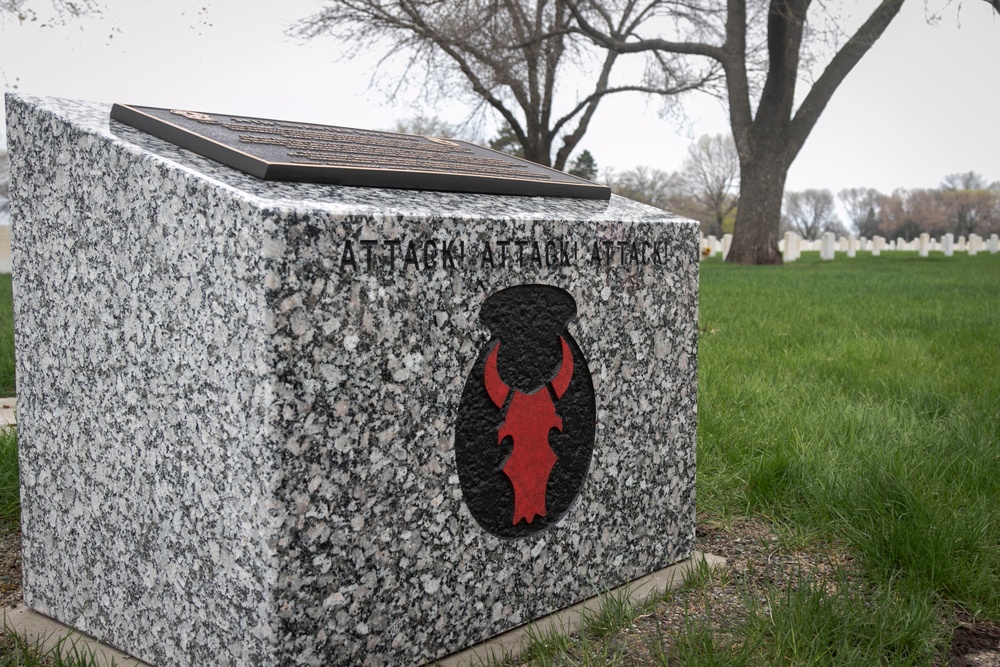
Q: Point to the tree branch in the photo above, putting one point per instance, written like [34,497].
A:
[840,66]
[588,107]
[511,53]
[615,42]
[737,83]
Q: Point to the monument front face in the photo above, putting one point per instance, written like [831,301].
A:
[271,423]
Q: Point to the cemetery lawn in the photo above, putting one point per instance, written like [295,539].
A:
[856,403]
[861,400]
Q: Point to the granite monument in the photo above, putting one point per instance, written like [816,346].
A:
[289,423]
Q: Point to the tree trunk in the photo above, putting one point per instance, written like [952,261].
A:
[539,152]
[758,218]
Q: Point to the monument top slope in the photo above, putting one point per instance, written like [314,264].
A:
[94,117]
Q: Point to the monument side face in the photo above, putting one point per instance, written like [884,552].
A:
[275,401]
[142,389]
[374,363]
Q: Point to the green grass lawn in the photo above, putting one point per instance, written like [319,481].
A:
[859,400]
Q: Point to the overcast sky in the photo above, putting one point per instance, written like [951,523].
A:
[925,102]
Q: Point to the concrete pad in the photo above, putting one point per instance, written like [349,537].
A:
[8,406]
[35,627]
[570,619]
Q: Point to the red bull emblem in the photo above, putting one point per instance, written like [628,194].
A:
[529,418]
[525,430]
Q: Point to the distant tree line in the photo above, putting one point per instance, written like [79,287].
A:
[963,204]
[706,189]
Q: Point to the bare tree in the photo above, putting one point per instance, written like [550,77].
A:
[432,126]
[969,211]
[22,10]
[511,55]
[711,176]
[810,212]
[928,212]
[862,209]
[908,213]
[896,220]
[650,186]
[993,226]
[968,180]
[969,204]
[768,128]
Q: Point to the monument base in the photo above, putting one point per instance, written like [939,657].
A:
[571,619]
[46,632]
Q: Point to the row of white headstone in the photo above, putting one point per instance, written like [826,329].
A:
[829,245]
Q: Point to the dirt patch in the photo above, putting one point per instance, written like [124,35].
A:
[757,558]
[974,646]
[10,564]
[760,560]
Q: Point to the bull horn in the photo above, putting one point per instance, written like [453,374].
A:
[561,381]
[495,387]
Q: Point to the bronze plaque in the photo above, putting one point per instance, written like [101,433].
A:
[277,150]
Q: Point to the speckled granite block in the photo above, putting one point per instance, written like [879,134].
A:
[238,401]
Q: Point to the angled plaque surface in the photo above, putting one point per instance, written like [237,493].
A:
[291,151]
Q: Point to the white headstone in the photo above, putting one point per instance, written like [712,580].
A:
[877,244]
[949,245]
[975,244]
[994,243]
[827,251]
[787,249]
[727,240]
[852,247]
[924,244]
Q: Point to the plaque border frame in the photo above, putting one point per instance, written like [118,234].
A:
[568,186]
